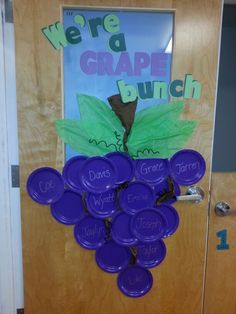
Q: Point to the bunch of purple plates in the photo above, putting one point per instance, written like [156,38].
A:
[112,201]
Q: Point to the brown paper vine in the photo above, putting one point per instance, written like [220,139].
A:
[126,114]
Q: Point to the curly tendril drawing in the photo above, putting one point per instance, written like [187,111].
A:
[156,131]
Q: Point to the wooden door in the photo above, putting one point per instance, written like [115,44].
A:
[60,277]
[221,258]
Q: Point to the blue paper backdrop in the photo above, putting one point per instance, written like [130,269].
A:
[145,31]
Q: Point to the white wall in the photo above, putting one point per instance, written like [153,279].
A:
[11,275]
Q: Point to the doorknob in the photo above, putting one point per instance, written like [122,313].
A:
[193,194]
[222,208]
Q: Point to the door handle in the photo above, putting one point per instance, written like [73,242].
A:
[194,194]
[222,208]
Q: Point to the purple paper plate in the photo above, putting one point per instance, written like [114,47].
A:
[153,170]
[163,188]
[112,258]
[148,225]
[150,255]
[45,185]
[120,230]
[124,165]
[102,205]
[71,172]
[172,218]
[68,209]
[90,233]
[136,196]
[98,174]
[187,167]
[135,281]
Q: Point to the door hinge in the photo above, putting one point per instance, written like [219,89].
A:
[20,311]
[8,11]
[15,176]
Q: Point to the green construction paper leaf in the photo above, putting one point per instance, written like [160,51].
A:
[89,138]
[93,109]
[160,141]
[157,132]
[159,113]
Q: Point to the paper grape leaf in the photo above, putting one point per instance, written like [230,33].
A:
[156,131]
[92,108]
[159,113]
[89,138]
[159,140]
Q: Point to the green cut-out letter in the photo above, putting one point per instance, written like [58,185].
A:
[127,92]
[56,35]
[73,35]
[111,23]
[192,88]
[173,88]
[93,26]
[159,90]
[145,90]
[79,19]
[117,42]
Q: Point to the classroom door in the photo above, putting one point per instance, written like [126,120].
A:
[221,258]
[59,276]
